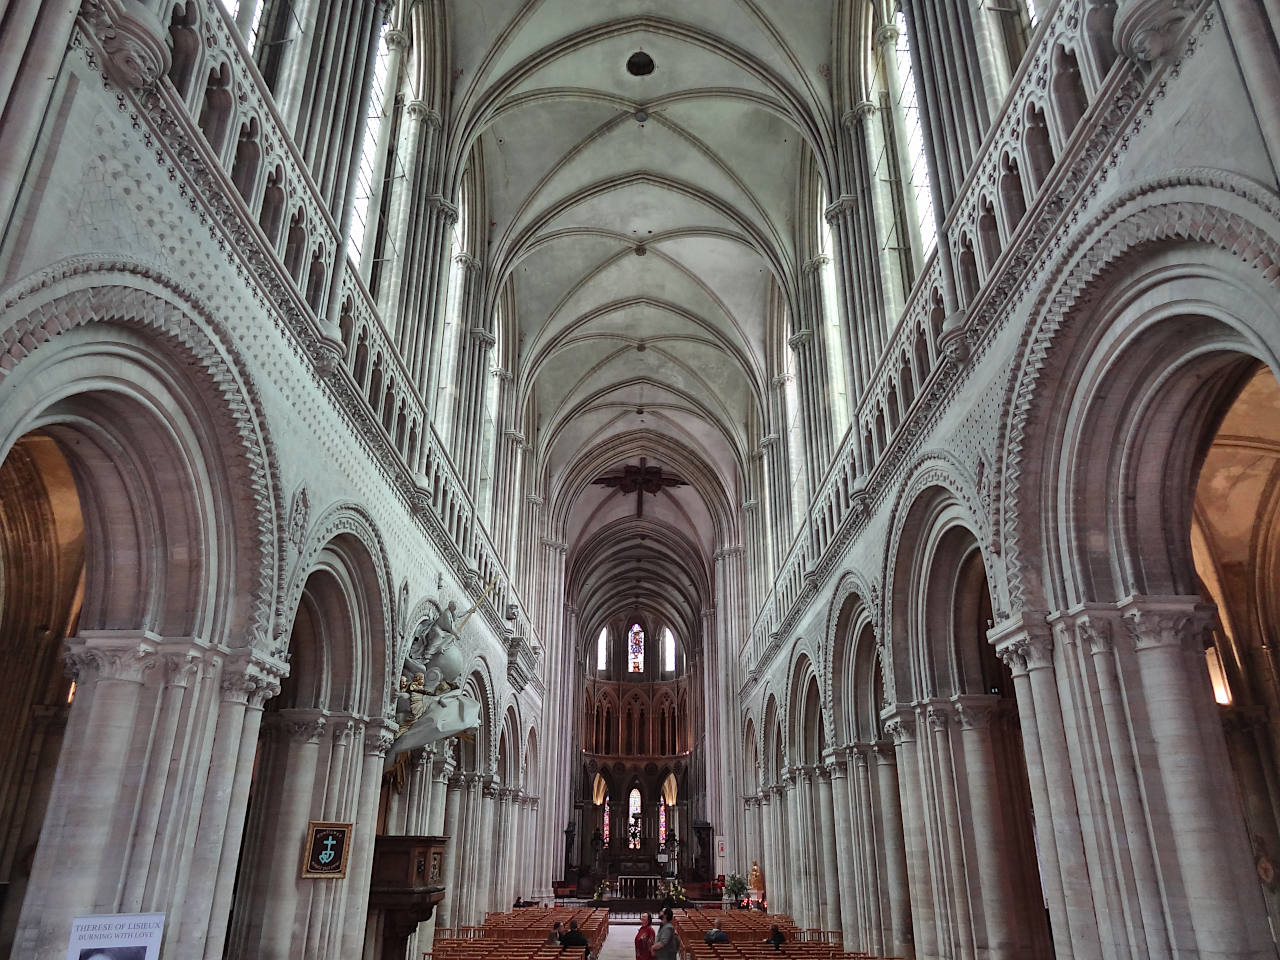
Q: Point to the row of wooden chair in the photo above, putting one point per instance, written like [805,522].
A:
[747,933]
[520,935]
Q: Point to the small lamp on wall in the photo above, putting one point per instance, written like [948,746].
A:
[1217,676]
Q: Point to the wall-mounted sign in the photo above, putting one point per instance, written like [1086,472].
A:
[116,936]
[720,848]
[326,849]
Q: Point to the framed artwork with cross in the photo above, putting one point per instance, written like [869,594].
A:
[326,849]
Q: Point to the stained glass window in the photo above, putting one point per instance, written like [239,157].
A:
[633,813]
[635,649]
[662,823]
[605,829]
[602,649]
[668,650]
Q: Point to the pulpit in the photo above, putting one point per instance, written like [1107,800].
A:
[406,884]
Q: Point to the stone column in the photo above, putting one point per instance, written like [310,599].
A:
[446,912]
[798,905]
[278,890]
[246,685]
[1134,884]
[873,936]
[378,736]
[1026,646]
[959,928]
[833,877]
[482,901]
[995,884]
[109,669]
[1206,831]
[902,728]
[900,940]
[842,827]
[776,841]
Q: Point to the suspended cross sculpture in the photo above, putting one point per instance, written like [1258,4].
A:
[640,480]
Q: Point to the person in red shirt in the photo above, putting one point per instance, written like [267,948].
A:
[644,938]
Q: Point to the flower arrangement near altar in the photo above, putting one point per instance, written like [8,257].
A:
[602,891]
[674,889]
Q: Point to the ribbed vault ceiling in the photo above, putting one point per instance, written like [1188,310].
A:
[641,225]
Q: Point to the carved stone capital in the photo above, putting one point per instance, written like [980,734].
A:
[183,662]
[975,712]
[417,110]
[303,726]
[483,337]
[379,735]
[252,681]
[1093,626]
[396,39]
[800,339]
[901,727]
[861,111]
[1145,30]
[939,717]
[443,209]
[1153,622]
[885,34]
[342,730]
[1023,641]
[842,207]
[108,656]
[814,264]
[133,38]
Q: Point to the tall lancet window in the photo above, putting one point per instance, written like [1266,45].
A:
[375,116]
[662,824]
[668,650]
[910,111]
[635,649]
[633,816]
[604,830]
[602,649]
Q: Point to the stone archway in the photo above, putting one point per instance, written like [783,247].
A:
[1235,545]
[967,812]
[121,392]
[41,591]
[319,758]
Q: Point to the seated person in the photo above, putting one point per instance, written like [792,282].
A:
[573,937]
[715,934]
[776,937]
[554,935]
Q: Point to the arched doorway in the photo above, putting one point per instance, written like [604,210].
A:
[41,589]
[319,758]
[875,902]
[121,523]
[974,876]
[1235,545]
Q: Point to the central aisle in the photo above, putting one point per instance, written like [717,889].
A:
[620,944]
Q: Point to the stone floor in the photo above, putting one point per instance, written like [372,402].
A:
[620,944]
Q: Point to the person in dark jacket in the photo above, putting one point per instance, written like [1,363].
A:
[776,937]
[573,937]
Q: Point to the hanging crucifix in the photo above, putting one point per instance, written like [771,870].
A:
[639,480]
